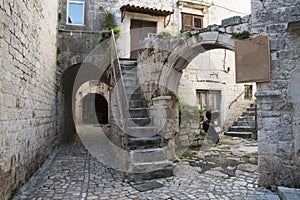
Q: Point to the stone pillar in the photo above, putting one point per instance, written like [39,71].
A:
[165,115]
[278,110]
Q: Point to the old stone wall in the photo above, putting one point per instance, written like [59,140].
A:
[27,89]
[278,100]
[178,65]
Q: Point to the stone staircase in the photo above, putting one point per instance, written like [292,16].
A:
[244,127]
[148,158]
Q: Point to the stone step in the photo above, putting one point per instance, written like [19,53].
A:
[129,74]
[142,121]
[246,118]
[141,131]
[245,135]
[161,173]
[244,123]
[130,82]
[137,103]
[132,89]
[143,142]
[251,109]
[241,129]
[145,167]
[248,113]
[135,96]
[139,112]
[286,193]
[147,155]
[129,62]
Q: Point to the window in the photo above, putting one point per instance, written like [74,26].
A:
[209,99]
[248,92]
[190,21]
[75,13]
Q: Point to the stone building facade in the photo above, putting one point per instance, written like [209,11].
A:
[42,51]
[278,100]
[28,89]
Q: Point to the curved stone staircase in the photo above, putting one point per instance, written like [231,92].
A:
[148,158]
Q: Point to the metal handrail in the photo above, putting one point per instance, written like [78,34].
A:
[121,91]
[235,100]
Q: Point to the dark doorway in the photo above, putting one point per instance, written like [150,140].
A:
[138,31]
[68,91]
[95,109]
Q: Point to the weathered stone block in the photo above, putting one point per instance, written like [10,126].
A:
[229,29]
[276,44]
[246,19]
[231,21]
[241,28]
[276,28]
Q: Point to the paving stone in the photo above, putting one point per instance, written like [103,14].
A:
[247,167]
[68,174]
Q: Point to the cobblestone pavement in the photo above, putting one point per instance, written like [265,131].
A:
[72,173]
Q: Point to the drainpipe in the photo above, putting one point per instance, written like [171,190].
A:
[174,8]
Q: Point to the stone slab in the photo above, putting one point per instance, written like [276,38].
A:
[151,185]
[286,193]
[247,167]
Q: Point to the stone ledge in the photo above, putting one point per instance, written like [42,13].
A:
[268,93]
[162,98]
[288,193]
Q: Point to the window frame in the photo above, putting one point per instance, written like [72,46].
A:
[193,20]
[78,2]
[248,92]
[208,94]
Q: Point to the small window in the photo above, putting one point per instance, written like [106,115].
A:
[191,21]
[75,13]
[248,92]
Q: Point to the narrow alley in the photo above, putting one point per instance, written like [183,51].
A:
[226,171]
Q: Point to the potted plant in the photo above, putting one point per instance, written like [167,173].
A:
[109,24]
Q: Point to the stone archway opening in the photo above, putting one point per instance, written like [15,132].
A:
[171,59]
[71,81]
[94,109]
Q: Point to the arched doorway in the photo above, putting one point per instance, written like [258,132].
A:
[95,109]
[72,79]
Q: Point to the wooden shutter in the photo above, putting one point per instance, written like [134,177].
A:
[187,22]
[197,22]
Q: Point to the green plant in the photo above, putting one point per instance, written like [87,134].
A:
[166,60]
[106,33]
[189,154]
[173,95]
[188,35]
[165,35]
[109,21]
[150,50]
[241,35]
[109,24]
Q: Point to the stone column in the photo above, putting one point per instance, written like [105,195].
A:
[165,115]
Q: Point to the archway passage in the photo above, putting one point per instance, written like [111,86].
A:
[72,78]
[95,109]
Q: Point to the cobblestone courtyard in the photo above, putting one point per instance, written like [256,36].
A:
[227,171]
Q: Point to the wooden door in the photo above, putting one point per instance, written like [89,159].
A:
[138,31]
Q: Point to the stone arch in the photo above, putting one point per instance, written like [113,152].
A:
[70,83]
[180,57]
[95,88]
